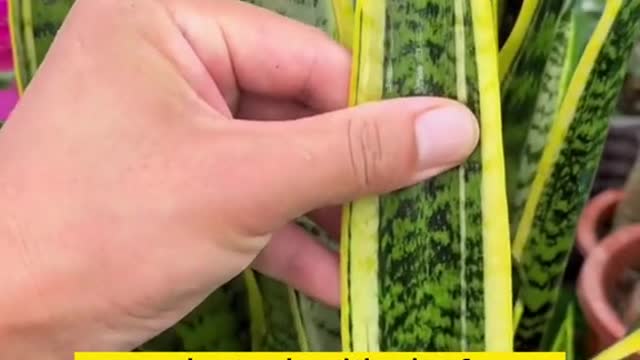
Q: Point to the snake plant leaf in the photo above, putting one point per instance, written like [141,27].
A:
[343,10]
[496,15]
[564,341]
[168,340]
[560,341]
[318,14]
[33,24]
[567,303]
[531,113]
[509,13]
[416,275]
[500,11]
[504,22]
[275,321]
[283,319]
[569,348]
[516,36]
[624,348]
[320,323]
[531,124]
[522,67]
[564,172]
[332,16]
[219,323]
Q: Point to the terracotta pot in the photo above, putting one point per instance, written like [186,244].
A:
[602,270]
[595,219]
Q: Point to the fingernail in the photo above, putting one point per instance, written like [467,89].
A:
[445,136]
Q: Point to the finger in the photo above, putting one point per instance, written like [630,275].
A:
[247,48]
[295,258]
[259,107]
[329,219]
[336,157]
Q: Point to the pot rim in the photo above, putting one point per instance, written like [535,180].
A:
[600,208]
[608,259]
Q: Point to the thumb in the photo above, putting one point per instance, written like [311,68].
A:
[375,148]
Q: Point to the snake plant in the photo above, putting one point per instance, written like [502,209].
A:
[473,259]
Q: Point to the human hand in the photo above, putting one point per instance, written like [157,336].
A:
[130,189]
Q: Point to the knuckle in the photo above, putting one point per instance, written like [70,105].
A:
[367,153]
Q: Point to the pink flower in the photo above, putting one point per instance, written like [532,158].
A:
[6,57]
[8,89]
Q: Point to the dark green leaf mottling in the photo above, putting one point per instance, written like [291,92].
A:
[317,13]
[567,188]
[281,333]
[522,82]
[219,323]
[539,117]
[423,306]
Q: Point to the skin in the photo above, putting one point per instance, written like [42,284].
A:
[166,145]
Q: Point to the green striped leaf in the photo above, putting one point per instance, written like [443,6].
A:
[219,323]
[283,319]
[320,323]
[530,115]
[564,172]
[414,271]
[34,24]
[560,342]
[343,12]
[564,334]
[564,341]
[274,316]
[516,36]
[523,77]
[567,303]
[509,12]
[332,16]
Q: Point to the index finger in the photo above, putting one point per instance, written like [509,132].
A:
[265,53]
